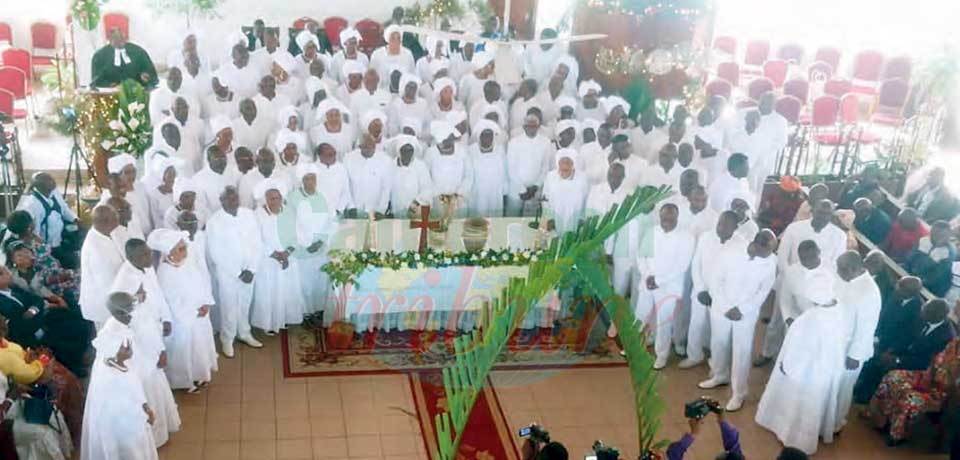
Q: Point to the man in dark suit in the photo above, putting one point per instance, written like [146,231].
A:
[24,312]
[899,315]
[933,201]
[931,338]
[876,264]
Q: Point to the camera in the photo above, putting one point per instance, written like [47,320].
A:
[602,452]
[700,408]
[536,433]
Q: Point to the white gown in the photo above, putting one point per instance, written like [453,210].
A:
[191,351]
[489,181]
[566,199]
[277,295]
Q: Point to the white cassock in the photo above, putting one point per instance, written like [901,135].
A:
[762,159]
[333,182]
[656,176]
[384,62]
[621,246]
[191,140]
[233,245]
[363,100]
[197,254]
[315,221]
[268,111]
[100,260]
[776,130]
[278,296]
[860,298]
[647,145]
[114,423]
[566,199]
[528,160]
[342,141]
[369,180]
[830,239]
[253,136]
[668,264]
[744,283]
[191,351]
[336,63]
[452,175]
[410,183]
[400,110]
[712,135]
[147,324]
[471,89]
[518,111]
[489,181]
[697,224]
[162,98]
[795,282]
[710,259]
[158,203]
[211,184]
[595,160]
[801,394]
[243,82]
[724,186]
[214,105]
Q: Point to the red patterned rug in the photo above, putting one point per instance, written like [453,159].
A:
[487,435]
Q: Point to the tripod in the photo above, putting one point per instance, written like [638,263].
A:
[5,177]
[73,169]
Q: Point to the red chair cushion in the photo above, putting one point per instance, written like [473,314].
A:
[42,60]
[833,138]
[862,89]
[866,137]
[886,119]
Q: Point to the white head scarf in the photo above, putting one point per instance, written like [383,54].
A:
[432,45]
[413,123]
[564,125]
[588,85]
[116,163]
[611,102]
[304,37]
[441,130]
[163,240]
[284,115]
[405,139]
[390,30]
[260,191]
[373,114]
[314,84]
[482,58]
[159,167]
[483,125]
[351,67]
[566,101]
[285,61]
[408,78]
[568,153]
[437,65]
[441,83]
[304,169]
[346,34]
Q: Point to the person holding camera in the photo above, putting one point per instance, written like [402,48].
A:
[538,446]
[695,412]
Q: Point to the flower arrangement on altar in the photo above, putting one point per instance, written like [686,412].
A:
[345,266]
[120,125]
[87,13]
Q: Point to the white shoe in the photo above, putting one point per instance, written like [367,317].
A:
[689,363]
[735,404]
[250,341]
[227,349]
[623,353]
[710,383]
[660,363]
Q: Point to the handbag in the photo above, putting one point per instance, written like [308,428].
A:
[39,407]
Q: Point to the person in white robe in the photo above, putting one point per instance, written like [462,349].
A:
[832,242]
[100,260]
[315,224]
[529,157]
[190,122]
[251,129]
[269,103]
[290,133]
[686,160]
[750,141]
[115,194]
[471,84]
[186,195]
[566,134]
[370,172]
[373,96]
[492,96]
[595,150]
[621,151]
[411,186]
[158,185]
[197,254]
[540,61]
[333,180]
[151,322]
[444,98]
[238,74]
[590,108]
[353,72]
[735,296]
[126,165]
[117,417]
[262,58]
[374,122]
[490,181]
[450,169]
[565,192]
[747,227]
[730,182]
[278,297]
[317,92]
[523,100]
[233,252]
[408,105]
[289,77]
[698,219]
[220,101]
[801,395]
[191,351]
[618,247]
[665,172]
[266,166]
[167,142]
[774,128]
[437,51]
[461,63]
[661,275]
[350,42]
[860,299]
[212,180]
[393,55]
[335,130]
[161,98]
[715,249]
[616,109]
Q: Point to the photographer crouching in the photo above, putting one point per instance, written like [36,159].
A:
[698,410]
[537,445]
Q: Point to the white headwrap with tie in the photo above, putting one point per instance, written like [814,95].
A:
[164,240]
[284,115]
[116,163]
[408,78]
[352,67]
[260,191]
[568,153]
[405,139]
[304,169]
[588,85]
[347,33]
[441,83]
[441,130]
[611,102]
[286,137]
[390,30]
[566,101]
[483,125]
[373,114]
[304,37]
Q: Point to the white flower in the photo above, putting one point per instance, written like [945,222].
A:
[447,261]
[121,140]
[134,107]
[107,144]
[416,256]
[420,266]
[116,125]
[534,258]
[133,123]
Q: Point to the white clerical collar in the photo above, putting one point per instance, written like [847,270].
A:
[931,327]
[120,57]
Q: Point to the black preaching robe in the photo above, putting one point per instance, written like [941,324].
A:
[106,74]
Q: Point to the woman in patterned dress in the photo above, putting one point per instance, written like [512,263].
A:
[903,396]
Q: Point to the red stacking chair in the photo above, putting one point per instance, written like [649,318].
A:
[21,59]
[720,87]
[43,36]
[116,21]
[776,71]
[729,71]
[824,120]
[758,87]
[819,71]
[371,34]
[756,53]
[332,27]
[7,100]
[6,33]
[898,67]
[301,23]
[837,87]
[791,52]
[798,88]
[789,107]
[13,82]
[891,98]
[867,66]
[726,43]
[850,116]
[828,54]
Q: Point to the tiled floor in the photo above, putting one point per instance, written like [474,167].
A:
[251,412]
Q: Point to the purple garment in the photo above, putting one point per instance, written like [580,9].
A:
[731,442]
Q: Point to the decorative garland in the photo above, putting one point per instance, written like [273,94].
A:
[643,8]
[87,13]
[121,125]
[345,266]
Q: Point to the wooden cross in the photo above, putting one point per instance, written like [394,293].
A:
[424,224]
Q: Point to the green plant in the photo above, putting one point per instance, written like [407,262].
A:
[190,9]
[53,78]
[121,125]
[573,252]
[87,13]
